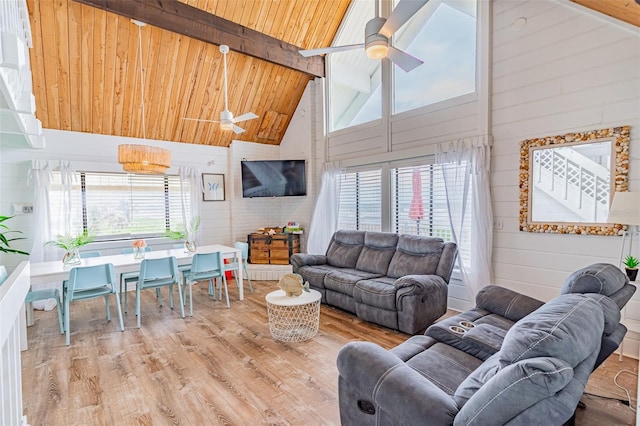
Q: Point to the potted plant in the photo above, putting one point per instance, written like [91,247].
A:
[631,267]
[70,245]
[5,239]
[186,233]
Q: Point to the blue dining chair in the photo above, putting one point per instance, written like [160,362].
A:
[157,273]
[88,282]
[128,277]
[233,264]
[205,267]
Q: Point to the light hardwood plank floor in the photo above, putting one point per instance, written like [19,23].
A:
[219,367]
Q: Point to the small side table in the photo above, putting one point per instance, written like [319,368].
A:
[293,319]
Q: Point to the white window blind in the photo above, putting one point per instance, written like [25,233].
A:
[360,201]
[419,205]
[118,205]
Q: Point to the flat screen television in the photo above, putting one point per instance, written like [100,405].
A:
[273,178]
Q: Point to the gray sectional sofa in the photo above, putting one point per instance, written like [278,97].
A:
[398,281]
[512,360]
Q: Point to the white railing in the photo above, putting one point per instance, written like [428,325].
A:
[577,182]
[13,338]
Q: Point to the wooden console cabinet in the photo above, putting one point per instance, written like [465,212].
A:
[274,249]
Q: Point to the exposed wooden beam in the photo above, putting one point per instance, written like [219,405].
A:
[184,19]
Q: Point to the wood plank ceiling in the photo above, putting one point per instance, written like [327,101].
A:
[86,74]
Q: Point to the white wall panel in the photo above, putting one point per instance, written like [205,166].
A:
[565,71]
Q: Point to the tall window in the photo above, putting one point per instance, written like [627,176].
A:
[443,35]
[417,203]
[355,93]
[360,201]
[117,205]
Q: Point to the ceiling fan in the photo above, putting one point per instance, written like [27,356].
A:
[227,121]
[376,36]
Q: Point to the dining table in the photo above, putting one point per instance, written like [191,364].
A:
[56,271]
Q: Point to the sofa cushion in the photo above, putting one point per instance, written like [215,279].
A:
[415,255]
[444,366]
[601,278]
[379,248]
[379,292]
[344,248]
[568,327]
[344,280]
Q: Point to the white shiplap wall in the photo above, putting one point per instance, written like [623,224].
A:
[567,70]
[299,143]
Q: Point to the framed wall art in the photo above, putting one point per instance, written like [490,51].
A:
[213,187]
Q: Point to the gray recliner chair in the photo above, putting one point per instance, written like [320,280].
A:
[510,360]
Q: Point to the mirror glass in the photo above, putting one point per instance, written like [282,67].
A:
[571,183]
[567,181]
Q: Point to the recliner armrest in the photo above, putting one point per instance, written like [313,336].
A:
[393,386]
[506,303]
[304,259]
[486,337]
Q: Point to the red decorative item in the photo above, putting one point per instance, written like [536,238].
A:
[416,209]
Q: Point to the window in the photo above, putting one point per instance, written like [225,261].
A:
[443,35]
[117,205]
[417,202]
[419,205]
[360,201]
[355,92]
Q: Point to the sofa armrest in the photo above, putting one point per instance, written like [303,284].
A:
[393,386]
[417,285]
[303,259]
[506,303]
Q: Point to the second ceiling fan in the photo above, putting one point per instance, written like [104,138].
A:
[377,33]
[227,121]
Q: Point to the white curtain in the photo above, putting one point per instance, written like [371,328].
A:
[194,177]
[40,176]
[325,216]
[465,166]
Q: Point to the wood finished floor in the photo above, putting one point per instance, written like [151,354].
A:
[220,367]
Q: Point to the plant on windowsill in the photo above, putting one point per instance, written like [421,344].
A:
[631,267]
[70,245]
[186,233]
[5,239]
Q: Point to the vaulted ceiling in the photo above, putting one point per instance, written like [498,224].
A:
[86,72]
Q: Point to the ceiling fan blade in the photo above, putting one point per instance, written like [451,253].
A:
[244,117]
[200,119]
[324,50]
[403,59]
[237,130]
[400,15]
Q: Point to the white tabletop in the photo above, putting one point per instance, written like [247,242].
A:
[280,298]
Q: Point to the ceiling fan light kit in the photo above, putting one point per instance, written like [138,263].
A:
[376,44]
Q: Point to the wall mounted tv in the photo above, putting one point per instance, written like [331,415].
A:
[273,178]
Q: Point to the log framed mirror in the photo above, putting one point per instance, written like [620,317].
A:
[567,181]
